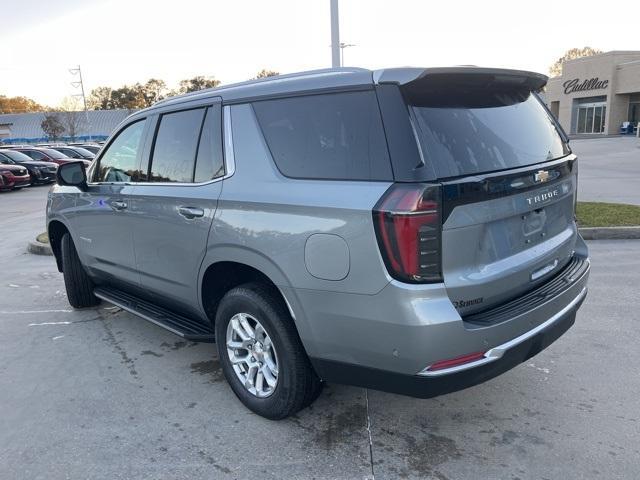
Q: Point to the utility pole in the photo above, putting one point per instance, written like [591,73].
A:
[335,35]
[79,83]
[78,71]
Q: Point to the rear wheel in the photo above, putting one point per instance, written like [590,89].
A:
[261,353]
[78,284]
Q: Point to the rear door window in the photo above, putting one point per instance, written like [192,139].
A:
[330,136]
[174,151]
[465,133]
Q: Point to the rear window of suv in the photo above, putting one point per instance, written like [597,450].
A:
[465,133]
[330,136]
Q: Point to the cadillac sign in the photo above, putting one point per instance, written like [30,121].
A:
[575,85]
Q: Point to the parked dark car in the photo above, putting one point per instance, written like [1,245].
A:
[13,176]
[79,153]
[40,172]
[48,155]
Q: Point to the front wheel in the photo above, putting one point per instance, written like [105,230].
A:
[78,284]
[261,353]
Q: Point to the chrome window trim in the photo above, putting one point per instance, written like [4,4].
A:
[228,159]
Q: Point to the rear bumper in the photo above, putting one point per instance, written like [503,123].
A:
[511,354]
[387,341]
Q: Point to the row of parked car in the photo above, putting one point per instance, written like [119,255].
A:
[25,165]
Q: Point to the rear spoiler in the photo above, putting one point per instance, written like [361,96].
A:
[433,78]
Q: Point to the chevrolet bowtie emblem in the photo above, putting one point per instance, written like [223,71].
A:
[541,176]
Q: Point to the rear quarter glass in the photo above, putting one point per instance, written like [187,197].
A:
[337,136]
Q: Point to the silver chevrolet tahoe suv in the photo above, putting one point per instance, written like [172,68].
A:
[407,230]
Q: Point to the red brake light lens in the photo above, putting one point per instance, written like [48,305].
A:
[407,220]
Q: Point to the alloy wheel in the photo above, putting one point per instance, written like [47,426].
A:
[252,355]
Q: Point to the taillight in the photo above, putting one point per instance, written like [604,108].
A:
[408,225]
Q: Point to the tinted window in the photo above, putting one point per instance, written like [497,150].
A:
[69,153]
[36,155]
[485,131]
[337,136]
[6,160]
[120,160]
[83,152]
[17,156]
[209,162]
[53,153]
[174,152]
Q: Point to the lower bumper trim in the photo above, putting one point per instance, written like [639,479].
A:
[497,352]
[421,386]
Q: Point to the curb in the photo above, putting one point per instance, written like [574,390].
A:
[39,248]
[610,233]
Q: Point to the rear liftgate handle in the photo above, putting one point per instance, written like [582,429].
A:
[191,212]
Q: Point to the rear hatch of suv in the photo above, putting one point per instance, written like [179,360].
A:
[504,182]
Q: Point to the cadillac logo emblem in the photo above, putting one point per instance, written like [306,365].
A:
[541,176]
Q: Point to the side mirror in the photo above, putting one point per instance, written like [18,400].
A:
[72,174]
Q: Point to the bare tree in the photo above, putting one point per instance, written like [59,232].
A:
[52,125]
[73,118]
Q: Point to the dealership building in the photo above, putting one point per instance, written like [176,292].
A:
[597,94]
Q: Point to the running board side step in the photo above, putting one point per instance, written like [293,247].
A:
[185,327]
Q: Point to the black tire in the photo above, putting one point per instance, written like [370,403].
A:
[78,284]
[298,384]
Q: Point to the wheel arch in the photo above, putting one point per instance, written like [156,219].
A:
[56,230]
[227,266]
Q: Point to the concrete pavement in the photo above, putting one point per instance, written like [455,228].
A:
[609,169]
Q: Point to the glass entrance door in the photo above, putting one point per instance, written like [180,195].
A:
[591,118]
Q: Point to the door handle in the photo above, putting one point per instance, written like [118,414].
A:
[191,212]
[118,205]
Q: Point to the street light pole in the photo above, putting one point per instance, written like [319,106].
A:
[335,35]
[342,47]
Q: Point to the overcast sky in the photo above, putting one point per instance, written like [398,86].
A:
[128,41]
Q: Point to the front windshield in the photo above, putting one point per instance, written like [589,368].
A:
[5,160]
[17,156]
[54,154]
[84,152]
